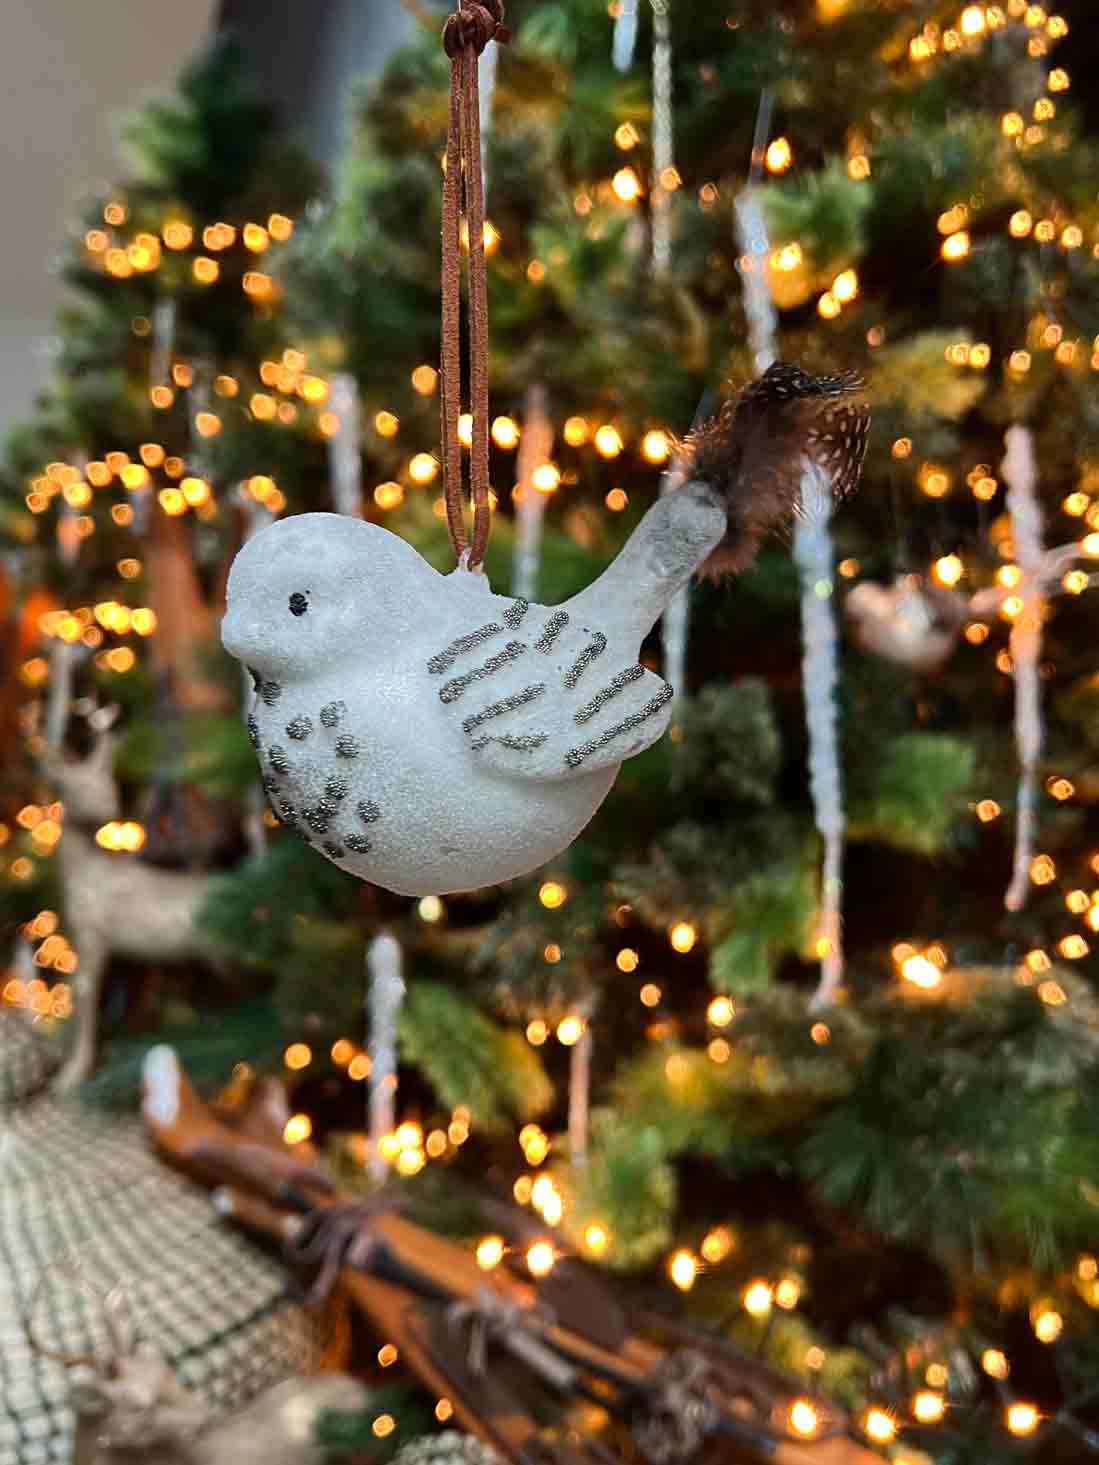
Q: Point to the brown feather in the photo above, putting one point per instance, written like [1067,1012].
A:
[754,452]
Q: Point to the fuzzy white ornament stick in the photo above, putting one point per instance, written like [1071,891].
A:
[385,994]
[535,448]
[663,137]
[1020,473]
[344,451]
[813,555]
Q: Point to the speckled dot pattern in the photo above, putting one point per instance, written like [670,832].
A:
[427,735]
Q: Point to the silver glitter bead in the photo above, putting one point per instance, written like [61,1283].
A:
[347,746]
[594,649]
[551,630]
[575,756]
[610,691]
[506,704]
[299,728]
[446,659]
[452,690]
[331,713]
[358,842]
[368,811]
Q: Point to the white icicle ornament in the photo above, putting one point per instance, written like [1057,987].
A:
[430,736]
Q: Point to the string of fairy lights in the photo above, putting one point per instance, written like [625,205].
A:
[287,393]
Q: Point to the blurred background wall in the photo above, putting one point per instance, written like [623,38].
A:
[69,68]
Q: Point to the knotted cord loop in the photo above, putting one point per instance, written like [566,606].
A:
[465,35]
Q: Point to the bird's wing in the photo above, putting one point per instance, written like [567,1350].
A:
[540,694]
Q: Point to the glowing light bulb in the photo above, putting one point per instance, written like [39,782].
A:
[720,1012]
[683,937]
[1022,1419]
[683,1269]
[596,1238]
[576,431]
[921,972]
[553,894]
[505,433]
[297,1129]
[655,446]
[422,468]
[972,22]
[804,1419]
[955,246]
[879,1426]
[928,1407]
[758,1299]
[298,1055]
[490,1252]
[537,1032]
[570,1030]
[845,286]
[717,1244]
[949,569]
[541,1259]
[788,1293]
[626,185]
[546,478]
[779,155]
[608,441]
[388,495]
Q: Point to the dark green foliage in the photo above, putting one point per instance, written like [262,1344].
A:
[342,1433]
[731,746]
[488,1068]
[909,791]
[209,1045]
[628,1178]
[212,144]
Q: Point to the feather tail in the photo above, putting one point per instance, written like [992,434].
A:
[753,453]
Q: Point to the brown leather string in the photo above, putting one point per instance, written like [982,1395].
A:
[465,35]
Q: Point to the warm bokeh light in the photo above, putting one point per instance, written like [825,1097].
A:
[1022,1419]
[683,936]
[928,1406]
[570,1030]
[422,468]
[879,1425]
[683,1269]
[779,155]
[804,1418]
[541,1258]
[626,185]
[297,1129]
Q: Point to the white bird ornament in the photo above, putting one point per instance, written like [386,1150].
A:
[430,736]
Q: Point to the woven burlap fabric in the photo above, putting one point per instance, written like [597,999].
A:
[81,1186]
[28,1058]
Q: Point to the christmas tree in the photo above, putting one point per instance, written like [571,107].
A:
[821,964]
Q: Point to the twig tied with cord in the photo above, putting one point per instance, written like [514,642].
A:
[465,35]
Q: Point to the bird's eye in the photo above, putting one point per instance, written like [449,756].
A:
[299,603]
